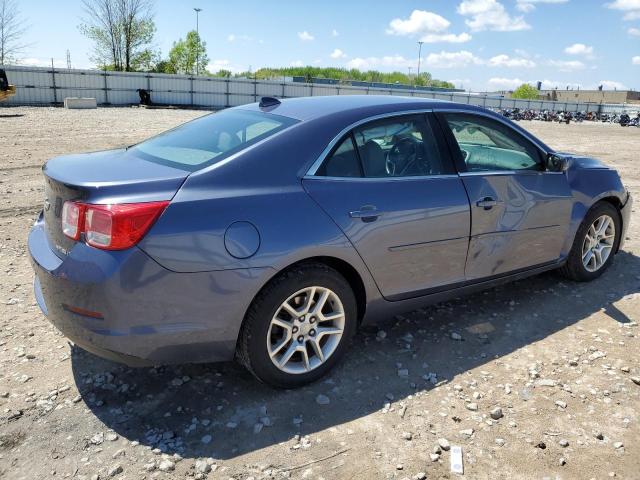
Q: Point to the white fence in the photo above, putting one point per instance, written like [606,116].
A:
[46,86]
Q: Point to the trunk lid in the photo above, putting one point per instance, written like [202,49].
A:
[113,176]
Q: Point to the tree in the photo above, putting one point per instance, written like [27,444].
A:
[122,32]
[224,73]
[12,29]
[526,92]
[345,75]
[185,54]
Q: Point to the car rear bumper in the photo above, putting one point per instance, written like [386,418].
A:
[123,306]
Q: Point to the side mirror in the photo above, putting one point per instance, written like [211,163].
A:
[556,163]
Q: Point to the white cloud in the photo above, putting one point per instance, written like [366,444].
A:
[529,5]
[635,32]
[389,61]
[419,22]
[612,85]
[297,63]
[567,65]
[630,7]
[443,59]
[501,83]
[490,15]
[305,36]
[429,26]
[334,33]
[525,7]
[446,38]
[337,53]
[625,5]
[636,60]
[579,49]
[510,62]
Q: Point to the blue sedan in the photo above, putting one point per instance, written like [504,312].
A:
[269,232]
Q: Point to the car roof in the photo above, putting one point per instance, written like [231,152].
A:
[309,108]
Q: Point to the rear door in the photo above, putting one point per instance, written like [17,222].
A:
[391,187]
[520,212]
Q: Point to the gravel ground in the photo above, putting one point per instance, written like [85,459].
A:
[537,379]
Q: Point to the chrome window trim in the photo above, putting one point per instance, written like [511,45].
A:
[325,153]
[508,172]
[383,179]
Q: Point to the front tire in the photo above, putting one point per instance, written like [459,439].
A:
[595,245]
[298,327]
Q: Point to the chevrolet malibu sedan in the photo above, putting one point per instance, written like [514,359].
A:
[269,232]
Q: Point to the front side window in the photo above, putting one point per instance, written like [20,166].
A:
[207,140]
[395,147]
[488,145]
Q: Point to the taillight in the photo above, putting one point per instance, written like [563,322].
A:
[72,218]
[115,227]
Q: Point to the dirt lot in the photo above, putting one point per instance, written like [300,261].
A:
[557,357]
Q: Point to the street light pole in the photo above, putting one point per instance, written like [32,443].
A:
[198,10]
[419,57]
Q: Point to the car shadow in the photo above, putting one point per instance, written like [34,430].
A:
[221,411]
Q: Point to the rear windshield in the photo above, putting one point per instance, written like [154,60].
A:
[207,140]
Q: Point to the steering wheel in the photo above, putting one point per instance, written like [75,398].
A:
[402,155]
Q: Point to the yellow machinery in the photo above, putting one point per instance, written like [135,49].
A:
[6,90]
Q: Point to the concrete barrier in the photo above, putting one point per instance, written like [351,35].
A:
[80,103]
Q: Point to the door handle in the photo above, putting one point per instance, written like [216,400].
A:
[488,203]
[367,213]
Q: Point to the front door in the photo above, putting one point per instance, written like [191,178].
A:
[520,212]
[390,186]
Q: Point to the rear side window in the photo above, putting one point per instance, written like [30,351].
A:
[343,162]
[210,139]
[402,146]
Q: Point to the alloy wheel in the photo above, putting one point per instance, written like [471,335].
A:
[598,243]
[305,330]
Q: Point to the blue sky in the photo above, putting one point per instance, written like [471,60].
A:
[477,44]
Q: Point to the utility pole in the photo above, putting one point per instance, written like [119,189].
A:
[419,57]
[198,10]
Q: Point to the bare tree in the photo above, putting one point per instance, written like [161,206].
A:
[121,30]
[12,29]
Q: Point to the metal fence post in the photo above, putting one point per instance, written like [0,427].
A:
[255,89]
[53,78]
[106,88]
[191,89]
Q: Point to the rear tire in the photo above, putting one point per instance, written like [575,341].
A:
[309,310]
[595,244]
